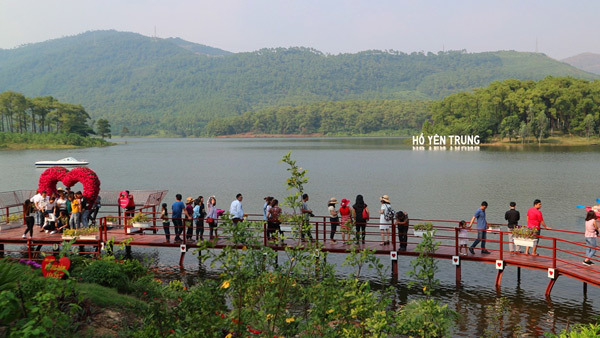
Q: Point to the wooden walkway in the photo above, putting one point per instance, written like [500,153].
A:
[557,256]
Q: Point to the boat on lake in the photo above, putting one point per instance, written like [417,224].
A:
[63,162]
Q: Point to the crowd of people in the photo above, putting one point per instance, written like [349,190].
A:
[67,209]
[58,211]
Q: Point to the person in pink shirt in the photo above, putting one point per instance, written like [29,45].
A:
[534,221]
[591,232]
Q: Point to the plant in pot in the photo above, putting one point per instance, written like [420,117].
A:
[421,228]
[140,220]
[111,220]
[69,234]
[524,236]
[90,233]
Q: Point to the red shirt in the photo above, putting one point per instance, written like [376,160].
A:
[534,218]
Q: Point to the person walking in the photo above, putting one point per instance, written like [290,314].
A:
[591,232]
[534,221]
[512,216]
[334,218]
[29,218]
[189,218]
[384,225]
[481,228]
[306,214]
[359,211]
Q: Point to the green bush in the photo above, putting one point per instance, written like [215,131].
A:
[106,273]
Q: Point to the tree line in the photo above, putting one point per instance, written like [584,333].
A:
[385,117]
[156,87]
[516,109]
[20,114]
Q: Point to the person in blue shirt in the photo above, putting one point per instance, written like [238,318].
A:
[178,208]
[481,228]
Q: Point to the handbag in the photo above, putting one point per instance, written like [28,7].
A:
[210,220]
[365,214]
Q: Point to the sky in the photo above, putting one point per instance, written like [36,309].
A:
[557,28]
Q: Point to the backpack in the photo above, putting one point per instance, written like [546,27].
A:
[365,214]
[389,213]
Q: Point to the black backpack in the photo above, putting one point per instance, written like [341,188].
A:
[389,213]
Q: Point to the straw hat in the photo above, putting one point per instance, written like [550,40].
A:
[385,198]
[189,200]
[332,200]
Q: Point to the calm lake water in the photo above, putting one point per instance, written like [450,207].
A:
[425,183]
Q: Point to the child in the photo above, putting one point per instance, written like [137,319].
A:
[462,238]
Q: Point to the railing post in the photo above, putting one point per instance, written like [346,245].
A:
[325,229]
[456,241]
[501,245]
[554,252]
[265,233]
[317,231]
[393,236]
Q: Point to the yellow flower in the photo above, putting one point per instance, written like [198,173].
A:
[289,320]
[244,247]
[329,311]
[424,288]
[225,284]
[229,336]
[269,316]
[294,283]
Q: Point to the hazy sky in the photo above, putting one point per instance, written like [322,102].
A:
[561,28]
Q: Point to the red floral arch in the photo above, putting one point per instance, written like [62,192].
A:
[88,178]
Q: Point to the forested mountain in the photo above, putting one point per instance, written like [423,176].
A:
[155,86]
[520,109]
[589,62]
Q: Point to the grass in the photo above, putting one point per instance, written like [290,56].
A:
[109,298]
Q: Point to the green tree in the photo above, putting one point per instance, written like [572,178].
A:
[103,128]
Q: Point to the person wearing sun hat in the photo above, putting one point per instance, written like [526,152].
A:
[346,219]
[384,226]
[334,220]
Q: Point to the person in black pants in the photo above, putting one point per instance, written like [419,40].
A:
[402,225]
[29,219]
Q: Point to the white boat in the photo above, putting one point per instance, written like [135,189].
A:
[64,162]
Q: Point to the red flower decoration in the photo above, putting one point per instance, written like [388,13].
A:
[86,176]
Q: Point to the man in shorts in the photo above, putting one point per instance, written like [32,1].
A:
[534,221]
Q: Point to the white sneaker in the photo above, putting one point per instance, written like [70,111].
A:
[47,231]
[24,236]
[52,232]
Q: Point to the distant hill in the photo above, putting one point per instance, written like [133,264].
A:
[171,86]
[198,48]
[589,62]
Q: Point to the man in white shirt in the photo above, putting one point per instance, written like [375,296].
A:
[236,211]
[40,201]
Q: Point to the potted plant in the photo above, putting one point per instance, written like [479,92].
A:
[111,220]
[524,236]
[421,228]
[90,233]
[140,220]
[69,234]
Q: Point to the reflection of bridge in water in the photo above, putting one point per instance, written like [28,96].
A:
[558,257]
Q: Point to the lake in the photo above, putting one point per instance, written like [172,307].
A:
[425,183]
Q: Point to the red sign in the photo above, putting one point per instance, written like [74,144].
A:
[54,269]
